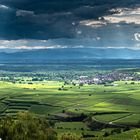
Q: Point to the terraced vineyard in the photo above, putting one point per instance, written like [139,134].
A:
[113,104]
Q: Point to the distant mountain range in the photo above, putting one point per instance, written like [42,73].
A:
[70,53]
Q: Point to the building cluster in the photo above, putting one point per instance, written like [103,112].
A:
[109,78]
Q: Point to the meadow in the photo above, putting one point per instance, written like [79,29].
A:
[116,105]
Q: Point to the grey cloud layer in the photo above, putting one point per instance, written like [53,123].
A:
[49,19]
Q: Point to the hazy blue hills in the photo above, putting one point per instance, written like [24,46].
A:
[70,53]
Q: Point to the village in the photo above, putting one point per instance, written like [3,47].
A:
[109,78]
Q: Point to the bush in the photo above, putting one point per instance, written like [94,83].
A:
[126,129]
[137,135]
[116,131]
[106,134]
[70,136]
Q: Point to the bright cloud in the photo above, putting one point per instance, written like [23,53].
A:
[4,7]
[28,44]
[93,23]
[137,36]
[119,15]
[124,15]
[23,13]
[50,44]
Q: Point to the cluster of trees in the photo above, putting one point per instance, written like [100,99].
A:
[27,126]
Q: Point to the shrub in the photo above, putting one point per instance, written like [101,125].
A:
[137,135]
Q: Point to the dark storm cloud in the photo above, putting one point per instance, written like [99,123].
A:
[45,19]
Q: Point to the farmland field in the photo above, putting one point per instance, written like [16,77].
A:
[118,105]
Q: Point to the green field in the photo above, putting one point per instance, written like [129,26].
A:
[117,105]
[47,99]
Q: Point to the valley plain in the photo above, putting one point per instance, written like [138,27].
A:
[92,103]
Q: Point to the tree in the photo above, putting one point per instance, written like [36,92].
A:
[132,83]
[81,84]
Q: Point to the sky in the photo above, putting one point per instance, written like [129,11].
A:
[39,24]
